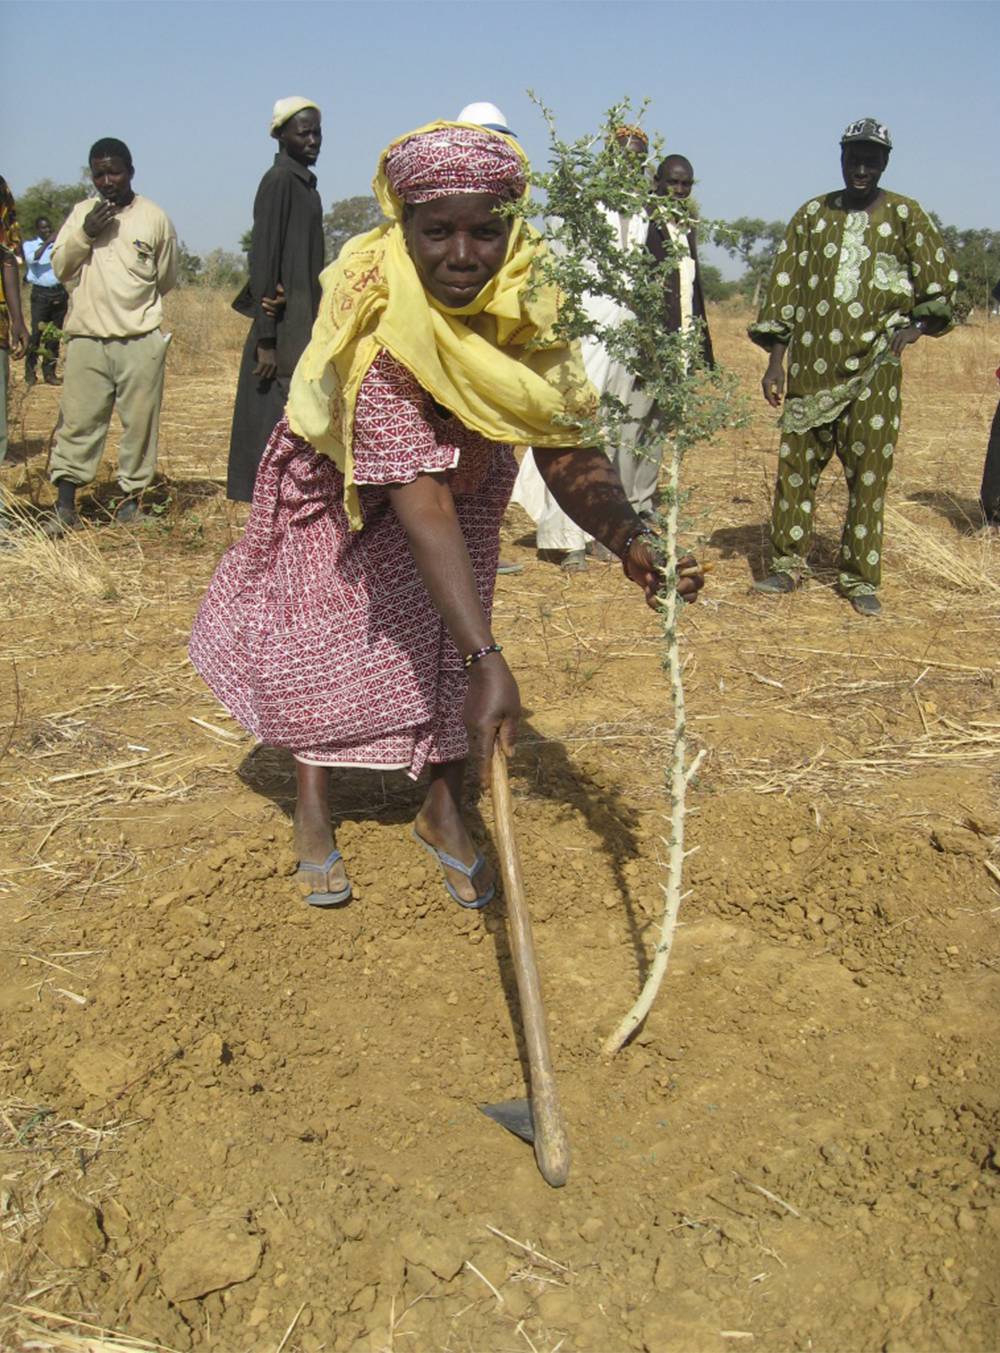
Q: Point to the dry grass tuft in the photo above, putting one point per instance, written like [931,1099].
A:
[72,567]
[208,335]
[968,563]
[834,770]
[34,1333]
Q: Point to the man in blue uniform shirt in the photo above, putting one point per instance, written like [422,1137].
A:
[48,302]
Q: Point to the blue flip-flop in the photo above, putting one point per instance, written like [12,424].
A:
[469,870]
[322,898]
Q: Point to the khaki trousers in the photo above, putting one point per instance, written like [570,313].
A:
[100,374]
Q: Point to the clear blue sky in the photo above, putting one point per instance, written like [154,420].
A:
[755,94]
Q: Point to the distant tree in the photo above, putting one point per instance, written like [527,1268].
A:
[224,269]
[188,265]
[346,218]
[51,199]
[977,258]
[245,240]
[715,286]
[755,242]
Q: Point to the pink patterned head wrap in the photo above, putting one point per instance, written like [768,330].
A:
[451,160]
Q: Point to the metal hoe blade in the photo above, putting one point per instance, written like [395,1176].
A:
[514,1115]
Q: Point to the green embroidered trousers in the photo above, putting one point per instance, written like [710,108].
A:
[863,437]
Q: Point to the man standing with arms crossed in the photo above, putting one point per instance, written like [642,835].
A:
[860,274]
[117,258]
[48,302]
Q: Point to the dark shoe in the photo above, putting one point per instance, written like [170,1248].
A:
[52,379]
[866,603]
[60,522]
[129,513]
[574,561]
[30,378]
[775,583]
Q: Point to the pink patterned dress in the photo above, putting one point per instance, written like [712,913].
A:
[323,639]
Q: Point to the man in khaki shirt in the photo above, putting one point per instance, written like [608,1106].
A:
[117,258]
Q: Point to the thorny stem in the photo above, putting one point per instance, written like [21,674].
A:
[678,773]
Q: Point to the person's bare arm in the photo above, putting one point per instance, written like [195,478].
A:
[426,510]
[19,335]
[773,384]
[273,306]
[902,338]
[74,242]
[586,486]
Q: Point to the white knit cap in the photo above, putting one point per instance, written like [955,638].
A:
[485,115]
[286,108]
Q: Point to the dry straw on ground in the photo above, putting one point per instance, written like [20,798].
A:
[70,568]
[967,562]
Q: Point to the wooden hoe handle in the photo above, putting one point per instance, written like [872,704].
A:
[551,1142]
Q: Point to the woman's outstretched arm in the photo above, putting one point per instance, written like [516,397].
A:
[426,510]
[586,486]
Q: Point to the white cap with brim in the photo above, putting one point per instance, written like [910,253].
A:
[286,108]
[486,115]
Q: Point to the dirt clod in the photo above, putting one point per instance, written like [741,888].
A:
[72,1235]
[207,1257]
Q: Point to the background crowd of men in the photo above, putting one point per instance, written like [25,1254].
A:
[861,275]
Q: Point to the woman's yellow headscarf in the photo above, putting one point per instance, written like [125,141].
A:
[494,363]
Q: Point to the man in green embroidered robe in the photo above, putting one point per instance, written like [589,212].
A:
[860,274]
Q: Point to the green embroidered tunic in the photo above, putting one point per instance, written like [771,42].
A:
[842,283]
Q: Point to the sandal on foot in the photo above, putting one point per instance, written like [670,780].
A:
[775,584]
[865,603]
[575,561]
[470,871]
[310,875]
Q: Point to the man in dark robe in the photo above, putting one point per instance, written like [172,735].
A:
[286,252]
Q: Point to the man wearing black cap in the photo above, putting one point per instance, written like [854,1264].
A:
[860,274]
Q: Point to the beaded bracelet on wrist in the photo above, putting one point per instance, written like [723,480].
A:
[630,540]
[471,658]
